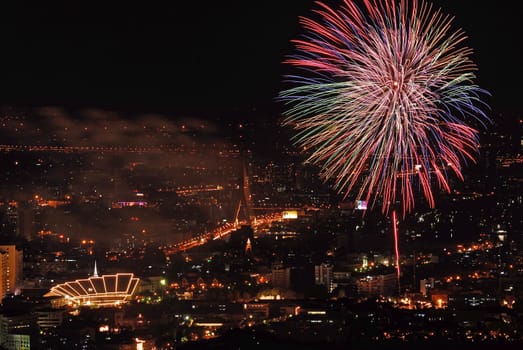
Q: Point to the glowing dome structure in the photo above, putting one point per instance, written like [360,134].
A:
[97,291]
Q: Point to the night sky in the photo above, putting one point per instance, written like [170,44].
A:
[196,57]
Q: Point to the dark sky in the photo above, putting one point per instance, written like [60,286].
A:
[201,57]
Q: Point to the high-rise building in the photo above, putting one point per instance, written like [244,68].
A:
[8,220]
[323,276]
[4,277]
[12,267]
[26,224]
[281,276]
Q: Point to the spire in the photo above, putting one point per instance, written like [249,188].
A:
[248,246]
[95,272]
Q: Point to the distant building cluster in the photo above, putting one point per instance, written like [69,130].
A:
[215,241]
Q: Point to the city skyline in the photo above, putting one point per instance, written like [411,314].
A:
[152,194]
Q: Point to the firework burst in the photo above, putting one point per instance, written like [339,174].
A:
[384,98]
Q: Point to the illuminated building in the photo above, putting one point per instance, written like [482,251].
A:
[126,204]
[18,331]
[376,284]
[323,275]
[11,261]
[95,291]
[425,285]
[4,269]
[49,318]
[256,310]
[289,215]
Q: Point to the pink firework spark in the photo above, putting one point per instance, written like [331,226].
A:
[384,99]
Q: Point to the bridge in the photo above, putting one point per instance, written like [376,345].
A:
[118,149]
[220,233]
[249,219]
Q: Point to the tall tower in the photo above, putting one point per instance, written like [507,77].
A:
[246,198]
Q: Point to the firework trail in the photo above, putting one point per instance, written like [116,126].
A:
[384,99]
